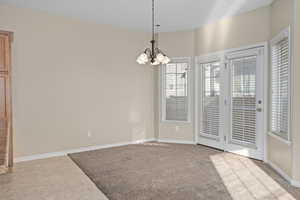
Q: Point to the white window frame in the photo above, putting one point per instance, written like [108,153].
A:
[163,94]
[286,33]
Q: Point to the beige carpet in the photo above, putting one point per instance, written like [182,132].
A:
[180,172]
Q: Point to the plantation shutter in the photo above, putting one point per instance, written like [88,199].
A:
[210,107]
[280,88]
[244,100]
[176,91]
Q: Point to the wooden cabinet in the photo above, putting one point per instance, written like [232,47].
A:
[6,154]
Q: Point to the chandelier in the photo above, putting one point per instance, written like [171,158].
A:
[153,55]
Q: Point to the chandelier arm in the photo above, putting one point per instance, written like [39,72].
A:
[157,50]
[148,50]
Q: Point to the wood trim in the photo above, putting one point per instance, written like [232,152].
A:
[9,34]
[10,128]
[9,103]
[8,98]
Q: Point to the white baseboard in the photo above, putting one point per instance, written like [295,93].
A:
[280,171]
[176,141]
[296,183]
[91,148]
[284,174]
[82,149]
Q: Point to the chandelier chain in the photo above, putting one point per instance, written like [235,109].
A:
[153,20]
[153,54]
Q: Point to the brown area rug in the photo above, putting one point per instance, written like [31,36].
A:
[180,172]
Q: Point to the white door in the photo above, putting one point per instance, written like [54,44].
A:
[245,72]
[210,102]
[230,103]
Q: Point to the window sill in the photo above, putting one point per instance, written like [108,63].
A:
[288,142]
[175,122]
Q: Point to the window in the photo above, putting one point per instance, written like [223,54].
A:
[210,104]
[175,90]
[280,84]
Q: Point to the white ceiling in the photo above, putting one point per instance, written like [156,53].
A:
[172,15]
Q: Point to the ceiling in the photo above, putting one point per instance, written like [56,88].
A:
[172,15]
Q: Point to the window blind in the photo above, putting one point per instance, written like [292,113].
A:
[244,100]
[210,118]
[176,91]
[280,88]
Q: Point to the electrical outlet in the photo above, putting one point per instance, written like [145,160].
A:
[89,134]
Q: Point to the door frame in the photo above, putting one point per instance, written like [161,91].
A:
[220,55]
[7,72]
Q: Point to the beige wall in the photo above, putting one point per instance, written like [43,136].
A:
[227,33]
[71,77]
[281,15]
[296,106]
[246,29]
[156,101]
[176,44]
[280,153]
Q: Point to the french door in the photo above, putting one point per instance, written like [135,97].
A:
[230,114]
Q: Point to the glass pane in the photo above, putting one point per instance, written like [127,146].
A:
[280,90]
[210,99]
[171,68]
[176,91]
[244,100]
